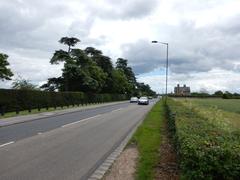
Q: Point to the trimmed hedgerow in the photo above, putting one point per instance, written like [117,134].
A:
[207,147]
[18,100]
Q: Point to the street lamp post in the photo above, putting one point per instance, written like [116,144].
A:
[166,67]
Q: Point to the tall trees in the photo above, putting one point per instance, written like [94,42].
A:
[63,56]
[122,65]
[5,72]
[144,89]
[80,71]
[89,70]
[84,74]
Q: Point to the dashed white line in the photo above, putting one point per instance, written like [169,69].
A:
[39,133]
[6,144]
[83,120]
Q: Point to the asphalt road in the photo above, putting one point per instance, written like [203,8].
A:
[68,146]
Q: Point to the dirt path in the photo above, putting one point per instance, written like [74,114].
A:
[167,168]
[125,165]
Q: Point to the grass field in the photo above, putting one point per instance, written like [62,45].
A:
[207,137]
[231,105]
[227,111]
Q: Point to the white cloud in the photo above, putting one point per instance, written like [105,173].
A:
[203,36]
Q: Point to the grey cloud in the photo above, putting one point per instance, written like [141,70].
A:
[28,24]
[191,49]
[123,9]
[142,56]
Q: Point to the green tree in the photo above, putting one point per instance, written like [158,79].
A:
[63,56]
[69,41]
[23,84]
[54,84]
[119,84]
[122,64]
[5,72]
[84,73]
[90,71]
[218,93]
[145,90]
[80,72]
[91,51]
[227,95]
[105,63]
[102,61]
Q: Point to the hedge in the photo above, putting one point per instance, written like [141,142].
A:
[18,100]
[206,150]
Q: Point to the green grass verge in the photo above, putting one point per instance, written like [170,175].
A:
[148,139]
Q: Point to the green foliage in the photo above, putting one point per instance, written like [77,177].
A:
[148,139]
[228,95]
[54,84]
[10,100]
[119,82]
[90,71]
[5,72]
[60,56]
[145,90]
[23,84]
[122,64]
[208,148]
[218,93]
[72,41]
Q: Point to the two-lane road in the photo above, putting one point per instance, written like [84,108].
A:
[69,146]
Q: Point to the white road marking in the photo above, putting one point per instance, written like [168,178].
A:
[39,133]
[6,144]
[83,120]
[116,109]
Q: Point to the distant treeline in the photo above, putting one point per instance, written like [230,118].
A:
[217,94]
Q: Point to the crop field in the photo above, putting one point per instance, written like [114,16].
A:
[207,137]
[231,105]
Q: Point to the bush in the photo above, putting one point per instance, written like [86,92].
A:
[17,100]
[206,149]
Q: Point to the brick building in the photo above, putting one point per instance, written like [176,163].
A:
[182,91]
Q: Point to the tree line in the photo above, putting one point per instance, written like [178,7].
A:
[87,70]
[219,94]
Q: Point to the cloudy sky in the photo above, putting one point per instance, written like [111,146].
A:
[203,37]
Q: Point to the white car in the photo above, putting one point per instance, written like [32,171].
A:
[133,100]
[143,100]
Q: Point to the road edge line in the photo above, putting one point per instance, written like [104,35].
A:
[5,144]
